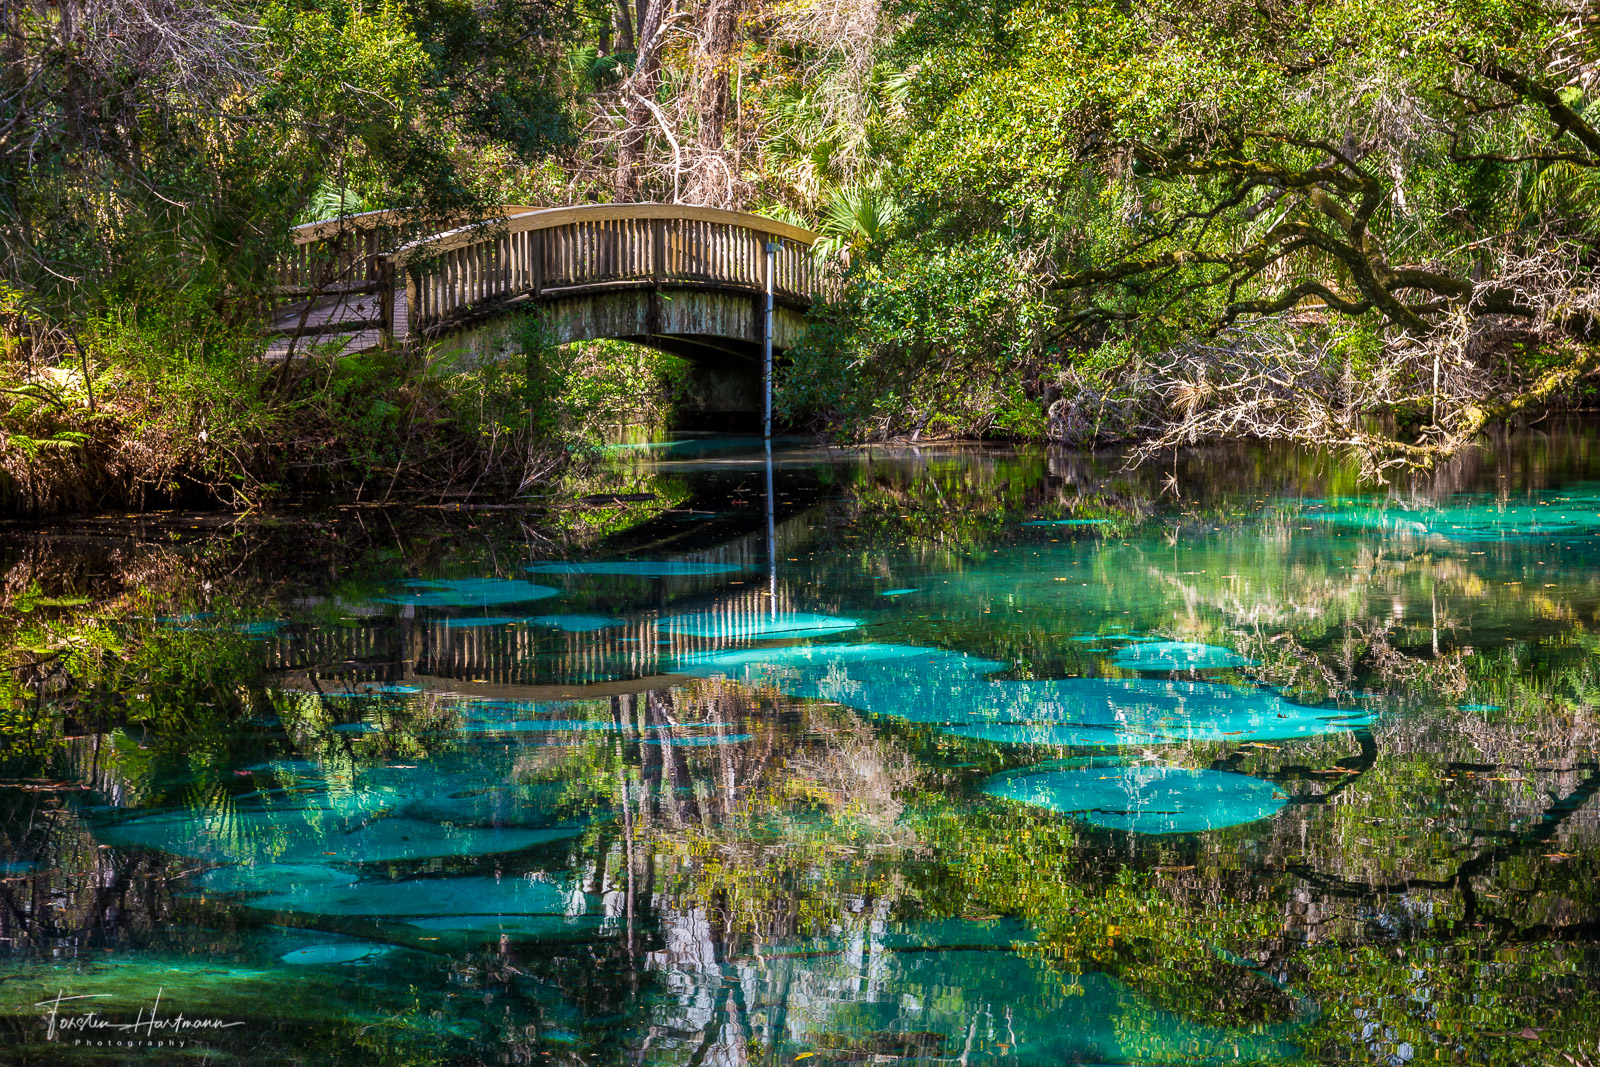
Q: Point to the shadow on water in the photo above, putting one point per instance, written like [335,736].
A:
[923,755]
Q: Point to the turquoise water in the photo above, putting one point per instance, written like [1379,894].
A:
[935,756]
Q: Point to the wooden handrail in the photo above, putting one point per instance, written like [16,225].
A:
[524,221]
[308,232]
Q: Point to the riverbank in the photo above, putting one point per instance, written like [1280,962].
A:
[149,412]
[139,414]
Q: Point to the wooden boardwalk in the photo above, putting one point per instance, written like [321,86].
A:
[683,278]
[341,325]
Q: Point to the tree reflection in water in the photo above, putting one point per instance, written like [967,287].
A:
[272,786]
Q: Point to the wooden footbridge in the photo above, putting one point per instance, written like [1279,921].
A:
[692,281]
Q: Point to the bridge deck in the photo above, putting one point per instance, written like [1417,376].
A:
[321,325]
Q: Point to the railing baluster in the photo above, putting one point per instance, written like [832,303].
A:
[502,272]
[447,283]
[537,256]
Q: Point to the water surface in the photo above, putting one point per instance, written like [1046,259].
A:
[938,755]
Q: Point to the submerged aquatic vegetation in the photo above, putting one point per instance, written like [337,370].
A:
[1147,799]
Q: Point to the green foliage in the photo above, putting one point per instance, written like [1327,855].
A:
[490,76]
[929,340]
[1165,171]
[330,202]
[584,392]
[854,217]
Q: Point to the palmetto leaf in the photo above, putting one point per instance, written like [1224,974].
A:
[330,202]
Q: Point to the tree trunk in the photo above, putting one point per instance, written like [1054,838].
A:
[622,24]
[713,175]
[638,89]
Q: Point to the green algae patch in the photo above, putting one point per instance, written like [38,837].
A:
[470,593]
[575,624]
[532,807]
[961,991]
[638,568]
[1177,656]
[272,878]
[426,899]
[1575,511]
[312,836]
[1144,799]
[755,626]
[954,692]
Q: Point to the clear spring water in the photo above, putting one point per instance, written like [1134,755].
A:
[948,755]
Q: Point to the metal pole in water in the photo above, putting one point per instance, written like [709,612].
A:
[766,348]
[772,540]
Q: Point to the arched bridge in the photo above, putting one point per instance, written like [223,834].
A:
[686,280]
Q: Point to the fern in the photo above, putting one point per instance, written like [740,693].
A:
[61,440]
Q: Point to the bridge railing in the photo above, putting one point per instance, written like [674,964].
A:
[456,276]
[345,257]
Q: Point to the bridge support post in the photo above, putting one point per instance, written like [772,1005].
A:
[383,273]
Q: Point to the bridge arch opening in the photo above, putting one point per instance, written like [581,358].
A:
[642,388]
[622,387]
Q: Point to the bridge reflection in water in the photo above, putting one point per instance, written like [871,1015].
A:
[428,651]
